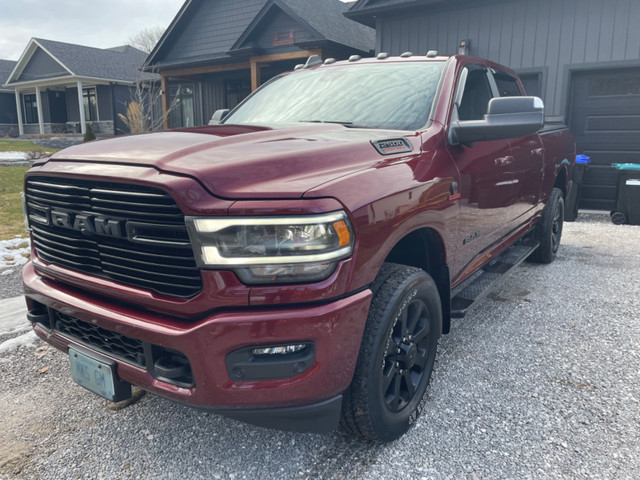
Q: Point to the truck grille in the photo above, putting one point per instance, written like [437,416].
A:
[125,348]
[130,234]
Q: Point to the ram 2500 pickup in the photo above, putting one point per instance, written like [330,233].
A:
[295,265]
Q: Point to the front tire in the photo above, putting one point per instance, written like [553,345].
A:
[397,354]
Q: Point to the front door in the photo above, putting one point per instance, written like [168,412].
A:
[486,181]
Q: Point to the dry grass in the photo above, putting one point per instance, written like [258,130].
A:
[11,219]
[20,146]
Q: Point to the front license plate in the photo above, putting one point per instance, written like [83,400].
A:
[97,376]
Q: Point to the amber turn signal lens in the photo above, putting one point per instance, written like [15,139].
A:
[343,233]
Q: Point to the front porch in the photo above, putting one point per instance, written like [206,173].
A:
[192,95]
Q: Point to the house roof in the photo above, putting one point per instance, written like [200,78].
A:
[327,18]
[6,66]
[206,31]
[121,64]
[365,11]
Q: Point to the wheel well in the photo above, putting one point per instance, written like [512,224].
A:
[424,248]
[561,182]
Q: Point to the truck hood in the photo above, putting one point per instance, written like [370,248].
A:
[248,162]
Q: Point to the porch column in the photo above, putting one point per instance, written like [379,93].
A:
[39,105]
[83,125]
[255,75]
[166,101]
[19,109]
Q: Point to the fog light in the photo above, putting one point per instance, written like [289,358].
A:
[279,350]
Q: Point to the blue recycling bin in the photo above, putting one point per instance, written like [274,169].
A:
[573,197]
[627,209]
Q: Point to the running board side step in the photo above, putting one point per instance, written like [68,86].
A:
[464,296]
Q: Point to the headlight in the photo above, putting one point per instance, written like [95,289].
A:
[268,249]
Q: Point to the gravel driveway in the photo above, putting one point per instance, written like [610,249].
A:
[541,380]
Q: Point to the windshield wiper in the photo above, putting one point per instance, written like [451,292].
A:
[345,124]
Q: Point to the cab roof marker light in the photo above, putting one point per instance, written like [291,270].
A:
[355,58]
[406,55]
[432,54]
[382,55]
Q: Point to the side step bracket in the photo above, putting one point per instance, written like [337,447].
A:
[464,296]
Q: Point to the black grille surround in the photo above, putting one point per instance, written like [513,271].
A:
[145,245]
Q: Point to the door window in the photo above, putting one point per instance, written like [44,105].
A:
[507,85]
[476,94]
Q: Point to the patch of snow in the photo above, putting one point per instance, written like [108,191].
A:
[13,155]
[27,340]
[13,315]
[14,252]
[6,272]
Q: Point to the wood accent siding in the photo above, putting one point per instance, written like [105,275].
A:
[524,34]
[282,22]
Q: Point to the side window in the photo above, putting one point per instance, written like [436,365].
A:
[507,85]
[476,95]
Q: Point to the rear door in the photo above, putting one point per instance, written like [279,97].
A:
[528,158]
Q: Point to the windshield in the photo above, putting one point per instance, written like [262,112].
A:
[386,95]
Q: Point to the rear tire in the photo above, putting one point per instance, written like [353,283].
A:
[549,229]
[396,356]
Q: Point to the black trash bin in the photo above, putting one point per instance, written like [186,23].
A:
[627,194]
[573,197]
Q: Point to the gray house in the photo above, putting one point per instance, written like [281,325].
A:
[8,113]
[60,87]
[581,56]
[215,52]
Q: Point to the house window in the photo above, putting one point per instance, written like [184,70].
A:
[182,106]
[532,83]
[30,108]
[90,104]
[236,91]
[283,37]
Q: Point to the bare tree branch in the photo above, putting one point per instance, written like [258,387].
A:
[146,39]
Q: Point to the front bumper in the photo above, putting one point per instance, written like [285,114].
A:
[334,328]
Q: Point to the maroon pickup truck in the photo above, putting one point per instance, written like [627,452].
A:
[295,265]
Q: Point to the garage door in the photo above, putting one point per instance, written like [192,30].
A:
[605,119]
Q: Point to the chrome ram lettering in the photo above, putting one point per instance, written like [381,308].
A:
[87,224]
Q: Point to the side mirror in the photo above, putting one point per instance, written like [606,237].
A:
[218,116]
[507,117]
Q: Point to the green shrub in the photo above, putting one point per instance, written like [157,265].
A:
[88,134]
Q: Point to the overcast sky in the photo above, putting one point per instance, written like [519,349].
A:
[86,22]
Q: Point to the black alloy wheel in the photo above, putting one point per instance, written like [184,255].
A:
[396,356]
[406,356]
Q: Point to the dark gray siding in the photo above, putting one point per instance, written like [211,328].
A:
[547,35]
[44,101]
[8,113]
[73,113]
[213,28]
[282,22]
[105,105]
[40,66]
[121,98]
